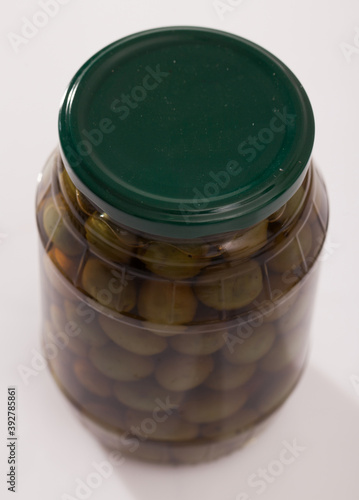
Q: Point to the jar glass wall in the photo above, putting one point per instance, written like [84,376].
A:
[176,350]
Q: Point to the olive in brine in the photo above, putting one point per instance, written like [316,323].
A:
[226,377]
[164,330]
[133,338]
[66,379]
[57,230]
[106,414]
[291,254]
[205,406]
[68,330]
[109,286]
[68,265]
[167,303]
[91,379]
[276,392]
[170,261]
[75,197]
[113,242]
[232,425]
[292,207]
[171,428]
[252,348]
[279,299]
[118,364]
[226,287]
[298,315]
[67,186]
[198,343]
[89,329]
[144,395]
[246,242]
[179,372]
[56,280]
[287,349]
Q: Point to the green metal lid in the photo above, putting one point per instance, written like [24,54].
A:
[186,132]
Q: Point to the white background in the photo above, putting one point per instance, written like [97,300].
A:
[54,450]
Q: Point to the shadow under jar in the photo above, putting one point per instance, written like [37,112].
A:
[180,242]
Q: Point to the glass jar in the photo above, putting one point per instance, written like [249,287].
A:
[180,222]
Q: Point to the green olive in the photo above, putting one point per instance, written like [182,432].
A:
[248,350]
[282,285]
[166,303]
[290,254]
[78,347]
[75,197]
[226,287]
[172,428]
[274,394]
[287,349]
[90,332]
[67,186]
[57,230]
[144,395]
[56,343]
[68,266]
[66,380]
[293,206]
[118,364]
[109,286]
[180,372]
[246,242]
[299,314]
[55,279]
[173,262]
[228,377]
[84,204]
[165,330]
[91,379]
[277,215]
[106,414]
[132,338]
[232,425]
[198,343]
[205,406]
[68,331]
[115,243]
[279,300]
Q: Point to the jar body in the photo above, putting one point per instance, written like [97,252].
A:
[176,350]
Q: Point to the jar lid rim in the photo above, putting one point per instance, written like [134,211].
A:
[186,132]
